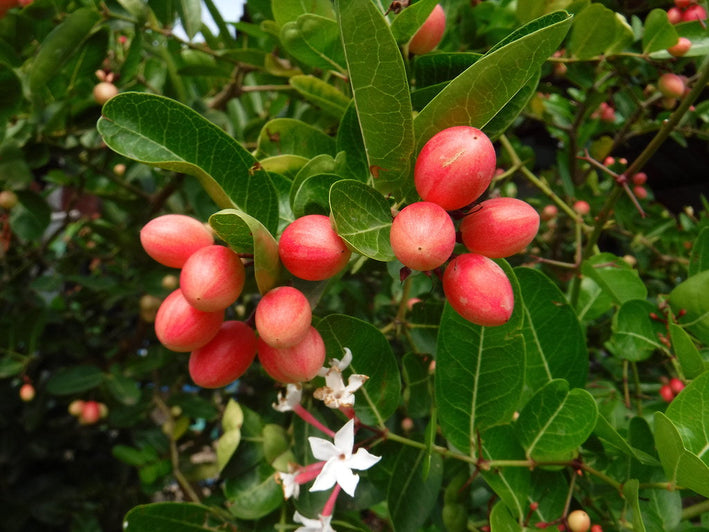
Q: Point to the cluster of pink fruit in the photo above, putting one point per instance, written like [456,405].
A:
[212,277]
[686,11]
[88,412]
[453,169]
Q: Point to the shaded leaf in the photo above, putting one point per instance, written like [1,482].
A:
[699,257]
[687,353]
[172,517]
[690,296]
[74,380]
[635,335]
[321,94]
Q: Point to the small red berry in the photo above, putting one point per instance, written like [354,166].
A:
[549,212]
[674,15]
[596,528]
[671,85]
[640,178]
[90,413]
[666,393]
[640,191]
[582,207]
[676,385]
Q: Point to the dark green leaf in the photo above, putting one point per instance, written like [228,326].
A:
[687,353]
[313,195]
[433,69]
[417,391]
[124,389]
[593,32]
[699,257]
[74,380]
[611,438]
[10,366]
[690,296]
[10,93]
[615,277]
[410,19]
[315,41]
[30,218]
[501,519]
[290,136]
[172,517]
[349,141]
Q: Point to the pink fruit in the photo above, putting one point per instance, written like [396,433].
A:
[578,521]
[104,91]
[283,317]
[311,249]
[27,392]
[181,327]
[225,358]
[582,207]
[671,85]
[455,167]
[666,393]
[90,413]
[549,212]
[674,15]
[298,363]
[640,191]
[422,236]
[212,278]
[676,385]
[639,178]
[500,227]
[681,48]
[478,289]
[430,33]
[694,12]
[171,239]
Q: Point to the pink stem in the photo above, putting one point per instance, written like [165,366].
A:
[309,418]
[309,472]
[330,504]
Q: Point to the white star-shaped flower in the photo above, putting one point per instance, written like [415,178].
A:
[294,392]
[321,524]
[287,481]
[339,460]
[335,394]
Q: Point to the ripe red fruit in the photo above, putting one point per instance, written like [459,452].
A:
[674,15]
[676,385]
[671,85]
[422,236]
[640,178]
[225,358]
[683,4]
[27,392]
[171,239]
[90,413]
[104,91]
[212,278]
[549,212]
[283,317]
[500,227]
[181,327]
[578,521]
[582,207]
[430,33]
[694,12]
[310,248]
[596,528]
[666,393]
[298,363]
[640,191]
[478,289]
[455,167]
[681,48]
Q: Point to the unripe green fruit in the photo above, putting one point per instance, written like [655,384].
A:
[181,327]
[430,33]
[671,85]
[578,521]
[455,167]
[90,413]
[500,227]
[310,248]
[170,282]
[298,363]
[283,317]
[172,238]
[8,199]
[225,358]
[478,289]
[422,236]
[212,278]
[104,91]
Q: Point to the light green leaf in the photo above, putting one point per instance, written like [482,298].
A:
[611,438]
[291,136]
[615,277]
[631,490]
[699,257]
[634,334]
[593,32]
[321,94]
[501,519]
[687,353]
[659,33]
[191,16]
[690,414]
[690,296]
[285,11]
[233,417]
[315,41]
[226,446]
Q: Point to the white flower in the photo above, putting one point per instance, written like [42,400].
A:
[322,524]
[294,392]
[339,460]
[335,394]
[290,487]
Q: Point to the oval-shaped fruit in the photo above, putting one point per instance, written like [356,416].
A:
[212,278]
[671,85]
[578,521]
[500,227]
[283,316]
[694,12]
[676,385]
[310,248]
[478,289]
[422,236]
[581,207]
[225,358]
[674,15]
[75,407]
[27,392]
[8,199]
[430,33]
[455,167]
[181,327]
[298,363]
[90,413]
[171,239]
[104,91]
[681,48]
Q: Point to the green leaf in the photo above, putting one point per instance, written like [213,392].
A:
[287,10]
[699,257]
[61,44]
[477,95]
[687,353]
[631,490]
[527,11]
[233,416]
[634,333]
[11,366]
[411,495]
[372,356]
[123,388]
[509,113]
[226,446]
[681,466]
[172,517]
[611,438]
[690,296]
[554,341]
[245,234]
[410,19]
[433,69]
[501,519]
[313,195]
[10,93]
[321,94]
[556,421]
[291,136]
[615,277]
[350,142]
[74,380]
[689,413]
[164,133]
[191,16]
[362,218]
[255,494]
[381,93]
[593,32]
[593,301]
[315,41]
[30,218]
[479,373]
[417,391]
[659,32]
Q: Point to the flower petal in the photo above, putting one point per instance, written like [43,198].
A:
[344,438]
[347,480]
[328,476]
[362,460]
[323,449]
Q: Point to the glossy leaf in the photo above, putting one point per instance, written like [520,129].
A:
[362,218]
[501,519]
[479,373]
[556,421]
[314,40]
[690,296]
[410,19]
[321,94]
[593,301]
[687,353]
[634,333]
[350,142]
[687,413]
[371,356]
[381,93]
[699,257]
[527,11]
[74,380]
[172,517]
[631,490]
[285,11]
[615,277]
[290,136]
[659,33]
[479,93]
[594,31]
[313,195]
[245,234]
[412,495]
[509,113]
[554,341]
[164,133]
[432,69]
